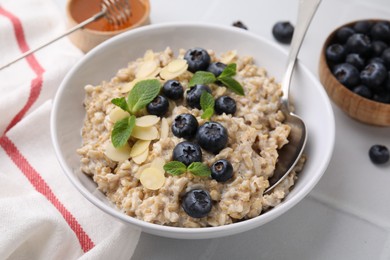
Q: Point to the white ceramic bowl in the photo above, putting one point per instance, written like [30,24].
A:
[311,103]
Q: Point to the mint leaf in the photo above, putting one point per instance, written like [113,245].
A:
[175,168]
[199,169]
[121,102]
[228,71]
[232,84]
[122,131]
[207,104]
[142,94]
[202,78]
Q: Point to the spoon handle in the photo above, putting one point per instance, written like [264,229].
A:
[306,11]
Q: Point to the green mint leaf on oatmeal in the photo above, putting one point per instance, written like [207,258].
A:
[121,102]
[202,78]
[199,169]
[122,131]
[232,84]
[228,71]
[207,104]
[175,168]
[142,94]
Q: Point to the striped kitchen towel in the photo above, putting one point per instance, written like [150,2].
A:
[42,215]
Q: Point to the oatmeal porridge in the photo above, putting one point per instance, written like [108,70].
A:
[186,140]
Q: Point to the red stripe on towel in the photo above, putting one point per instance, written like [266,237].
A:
[41,186]
[36,84]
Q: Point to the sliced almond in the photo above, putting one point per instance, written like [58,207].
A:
[145,133]
[174,69]
[140,169]
[164,128]
[117,154]
[139,147]
[141,157]
[117,114]
[158,163]
[148,68]
[229,57]
[146,121]
[152,178]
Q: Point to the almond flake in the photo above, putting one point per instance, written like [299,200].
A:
[152,178]
[139,147]
[141,157]
[145,133]
[174,69]
[158,163]
[117,114]
[147,68]
[164,128]
[140,169]
[117,154]
[146,121]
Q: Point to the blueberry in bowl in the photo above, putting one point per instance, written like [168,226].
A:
[354,69]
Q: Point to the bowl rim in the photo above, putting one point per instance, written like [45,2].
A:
[217,231]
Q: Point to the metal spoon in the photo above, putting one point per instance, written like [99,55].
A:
[291,152]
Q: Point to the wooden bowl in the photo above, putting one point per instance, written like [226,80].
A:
[97,32]
[357,107]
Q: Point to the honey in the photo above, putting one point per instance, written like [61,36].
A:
[84,9]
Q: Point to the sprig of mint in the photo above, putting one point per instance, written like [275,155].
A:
[142,94]
[207,104]
[177,168]
[226,77]
[122,131]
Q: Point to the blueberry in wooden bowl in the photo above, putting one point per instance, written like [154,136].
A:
[354,69]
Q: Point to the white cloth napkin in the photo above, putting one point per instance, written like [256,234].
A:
[42,215]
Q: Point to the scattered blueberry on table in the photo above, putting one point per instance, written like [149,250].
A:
[240,24]
[283,31]
[379,154]
[359,58]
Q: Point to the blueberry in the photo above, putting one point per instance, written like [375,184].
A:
[343,34]
[359,43]
[376,59]
[187,153]
[196,203]
[363,91]
[379,154]
[216,68]
[212,137]
[382,96]
[185,125]
[386,57]
[378,47]
[240,24]
[197,59]
[194,93]
[173,89]
[283,31]
[381,31]
[335,53]
[347,74]
[159,106]
[363,26]
[221,170]
[356,60]
[373,75]
[225,104]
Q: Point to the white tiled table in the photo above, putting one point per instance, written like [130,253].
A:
[347,215]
